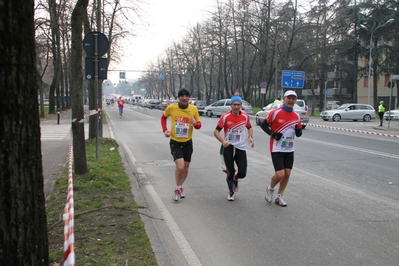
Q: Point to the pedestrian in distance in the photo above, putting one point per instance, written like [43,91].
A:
[184,117]
[277,100]
[381,111]
[121,104]
[237,129]
[283,124]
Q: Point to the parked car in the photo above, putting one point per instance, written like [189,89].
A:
[164,104]
[302,104]
[144,102]
[153,103]
[331,105]
[222,106]
[200,106]
[392,115]
[261,115]
[350,111]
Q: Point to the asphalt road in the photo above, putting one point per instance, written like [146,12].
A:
[342,197]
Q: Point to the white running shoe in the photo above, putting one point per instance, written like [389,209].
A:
[182,195]
[280,201]
[230,196]
[269,194]
[176,195]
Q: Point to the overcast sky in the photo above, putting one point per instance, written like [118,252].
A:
[162,23]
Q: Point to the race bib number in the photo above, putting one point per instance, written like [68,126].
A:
[234,136]
[181,130]
[287,143]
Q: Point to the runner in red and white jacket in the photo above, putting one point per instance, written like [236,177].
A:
[237,129]
[283,125]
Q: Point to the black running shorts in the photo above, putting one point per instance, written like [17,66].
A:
[282,160]
[181,150]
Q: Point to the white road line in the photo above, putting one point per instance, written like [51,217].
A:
[388,155]
[177,234]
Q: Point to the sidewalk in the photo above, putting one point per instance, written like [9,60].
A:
[55,140]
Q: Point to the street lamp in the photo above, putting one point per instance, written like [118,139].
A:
[371,43]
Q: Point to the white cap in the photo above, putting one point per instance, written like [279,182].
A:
[381,102]
[290,92]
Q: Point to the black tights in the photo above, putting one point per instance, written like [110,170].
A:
[231,155]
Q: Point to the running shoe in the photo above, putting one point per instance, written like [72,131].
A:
[280,201]
[176,195]
[235,183]
[182,195]
[230,196]
[269,194]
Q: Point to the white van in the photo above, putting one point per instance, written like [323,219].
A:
[302,104]
[136,98]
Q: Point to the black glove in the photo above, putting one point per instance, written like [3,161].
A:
[276,135]
[298,131]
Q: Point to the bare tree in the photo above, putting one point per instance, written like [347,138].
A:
[79,147]
[23,232]
[55,48]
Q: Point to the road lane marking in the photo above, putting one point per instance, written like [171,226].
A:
[388,155]
[176,232]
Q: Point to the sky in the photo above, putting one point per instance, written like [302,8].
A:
[163,22]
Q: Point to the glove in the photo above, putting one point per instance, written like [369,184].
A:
[298,131]
[276,135]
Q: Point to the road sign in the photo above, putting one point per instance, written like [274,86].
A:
[325,91]
[262,85]
[395,77]
[293,79]
[122,75]
[161,75]
[89,43]
[102,68]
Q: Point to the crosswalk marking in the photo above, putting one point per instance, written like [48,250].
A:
[59,132]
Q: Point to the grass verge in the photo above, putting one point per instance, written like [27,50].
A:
[108,228]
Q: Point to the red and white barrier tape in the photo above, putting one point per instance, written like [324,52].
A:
[355,131]
[69,212]
[347,129]
[68,216]
[90,113]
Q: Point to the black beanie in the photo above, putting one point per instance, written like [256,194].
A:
[182,92]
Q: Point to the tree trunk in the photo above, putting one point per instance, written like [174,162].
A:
[79,147]
[54,87]
[23,225]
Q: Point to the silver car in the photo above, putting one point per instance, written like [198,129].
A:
[222,106]
[392,115]
[261,115]
[302,104]
[350,111]
[200,106]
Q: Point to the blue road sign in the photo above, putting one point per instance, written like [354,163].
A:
[122,75]
[161,75]
[293,79]
[325,91]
